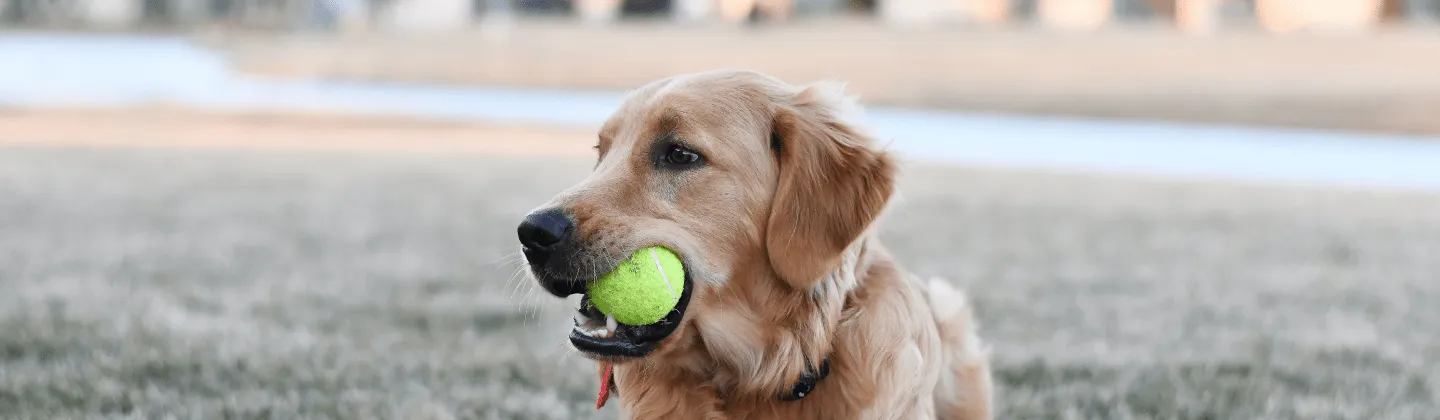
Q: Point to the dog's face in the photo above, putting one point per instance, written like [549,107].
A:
[756,184]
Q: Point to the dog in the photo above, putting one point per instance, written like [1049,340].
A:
[791,308]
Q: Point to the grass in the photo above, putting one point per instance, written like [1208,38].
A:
[268,285]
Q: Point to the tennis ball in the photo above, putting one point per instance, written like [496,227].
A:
[643,289]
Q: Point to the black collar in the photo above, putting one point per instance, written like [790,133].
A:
[806,384]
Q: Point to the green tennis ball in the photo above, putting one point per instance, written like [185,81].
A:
[643,289]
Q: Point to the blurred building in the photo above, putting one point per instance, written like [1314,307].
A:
[444,15]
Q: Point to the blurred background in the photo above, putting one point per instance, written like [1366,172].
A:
[284,209]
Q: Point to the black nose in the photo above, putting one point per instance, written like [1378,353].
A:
[541,232]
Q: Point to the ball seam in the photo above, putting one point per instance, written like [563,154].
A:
[665,277]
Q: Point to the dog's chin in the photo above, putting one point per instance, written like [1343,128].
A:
[601,338]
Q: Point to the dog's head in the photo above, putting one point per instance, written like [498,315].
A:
[758,185]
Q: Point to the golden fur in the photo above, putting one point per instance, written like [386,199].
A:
[776,232]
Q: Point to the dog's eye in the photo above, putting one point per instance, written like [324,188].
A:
[680,156]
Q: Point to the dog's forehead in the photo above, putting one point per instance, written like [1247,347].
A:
[712,104]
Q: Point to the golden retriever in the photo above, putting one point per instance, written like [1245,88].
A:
[792,308]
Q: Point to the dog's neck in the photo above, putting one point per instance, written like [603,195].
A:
[742,354]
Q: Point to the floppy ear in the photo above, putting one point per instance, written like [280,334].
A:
[832,185]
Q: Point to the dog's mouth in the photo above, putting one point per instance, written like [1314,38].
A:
[601,337]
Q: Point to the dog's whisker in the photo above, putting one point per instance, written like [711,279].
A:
[512,271]
[527,309]
[529,303]
[526,295]
[517,280]
[511,285]
[535,307]
[504,259]
[517,277]
[520,303]
[569,352]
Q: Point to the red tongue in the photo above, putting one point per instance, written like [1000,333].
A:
[604,386]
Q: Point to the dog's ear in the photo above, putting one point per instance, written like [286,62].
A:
[832,184]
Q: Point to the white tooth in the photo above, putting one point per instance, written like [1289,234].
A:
[610,324]
[588,331]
